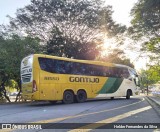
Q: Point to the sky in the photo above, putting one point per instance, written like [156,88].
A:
[9,7]
[121,15]
[121,10]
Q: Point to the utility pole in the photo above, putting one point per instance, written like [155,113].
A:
[146,75]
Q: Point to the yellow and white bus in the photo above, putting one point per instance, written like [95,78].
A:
[52,78]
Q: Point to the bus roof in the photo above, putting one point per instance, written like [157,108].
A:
[120,65]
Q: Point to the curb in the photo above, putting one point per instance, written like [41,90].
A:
[155,104]
[153,100]
[10,103]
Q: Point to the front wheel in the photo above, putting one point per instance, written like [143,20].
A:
[81,96]
[68,97]
[128,94]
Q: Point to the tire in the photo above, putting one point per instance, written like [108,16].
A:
[128,94]
[112,98]
[81,96]
[68,97]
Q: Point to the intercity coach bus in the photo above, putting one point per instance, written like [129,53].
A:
[52,78]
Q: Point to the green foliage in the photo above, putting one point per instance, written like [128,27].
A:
[153,45]
[150,76]
[12,84]
[12,51]
[117,57]
[146,27]
[61,46]
[146,14]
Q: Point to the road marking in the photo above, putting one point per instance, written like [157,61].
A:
[75,116]
[8,130]
[109,120]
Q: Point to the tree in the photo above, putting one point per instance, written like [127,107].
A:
[71,48]
[146,26]
[117,56]
[3,80]
[153,74]
[146,15]
[150,76]
[67,27]
[13,49]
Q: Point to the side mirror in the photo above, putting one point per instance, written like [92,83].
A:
[137,81]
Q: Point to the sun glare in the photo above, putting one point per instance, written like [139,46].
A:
[108,46]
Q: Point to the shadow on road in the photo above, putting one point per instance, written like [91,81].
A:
[47,103]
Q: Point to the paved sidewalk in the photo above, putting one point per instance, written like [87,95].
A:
[154,101]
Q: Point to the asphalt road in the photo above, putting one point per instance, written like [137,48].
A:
[92,114]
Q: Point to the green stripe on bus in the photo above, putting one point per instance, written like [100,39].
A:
[111,85]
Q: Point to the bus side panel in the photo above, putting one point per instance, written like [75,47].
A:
[95,89]
[36,74]
[122,90]
[112,88]
[47,85]
[91,88]
[36,78]
[47,92]
[58,91]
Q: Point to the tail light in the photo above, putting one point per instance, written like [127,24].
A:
[34,86]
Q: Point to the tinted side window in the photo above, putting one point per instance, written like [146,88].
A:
[115,72]
[54,66]
[95,70]
[66,67]
[47,64]
[125,73]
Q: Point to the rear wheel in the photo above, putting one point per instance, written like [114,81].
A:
[68,97]
[81,96]
[128,94]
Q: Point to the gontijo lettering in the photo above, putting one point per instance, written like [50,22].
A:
[84,79]
[25,71]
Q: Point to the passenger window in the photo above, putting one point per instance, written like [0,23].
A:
[47,64]
[65,67]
